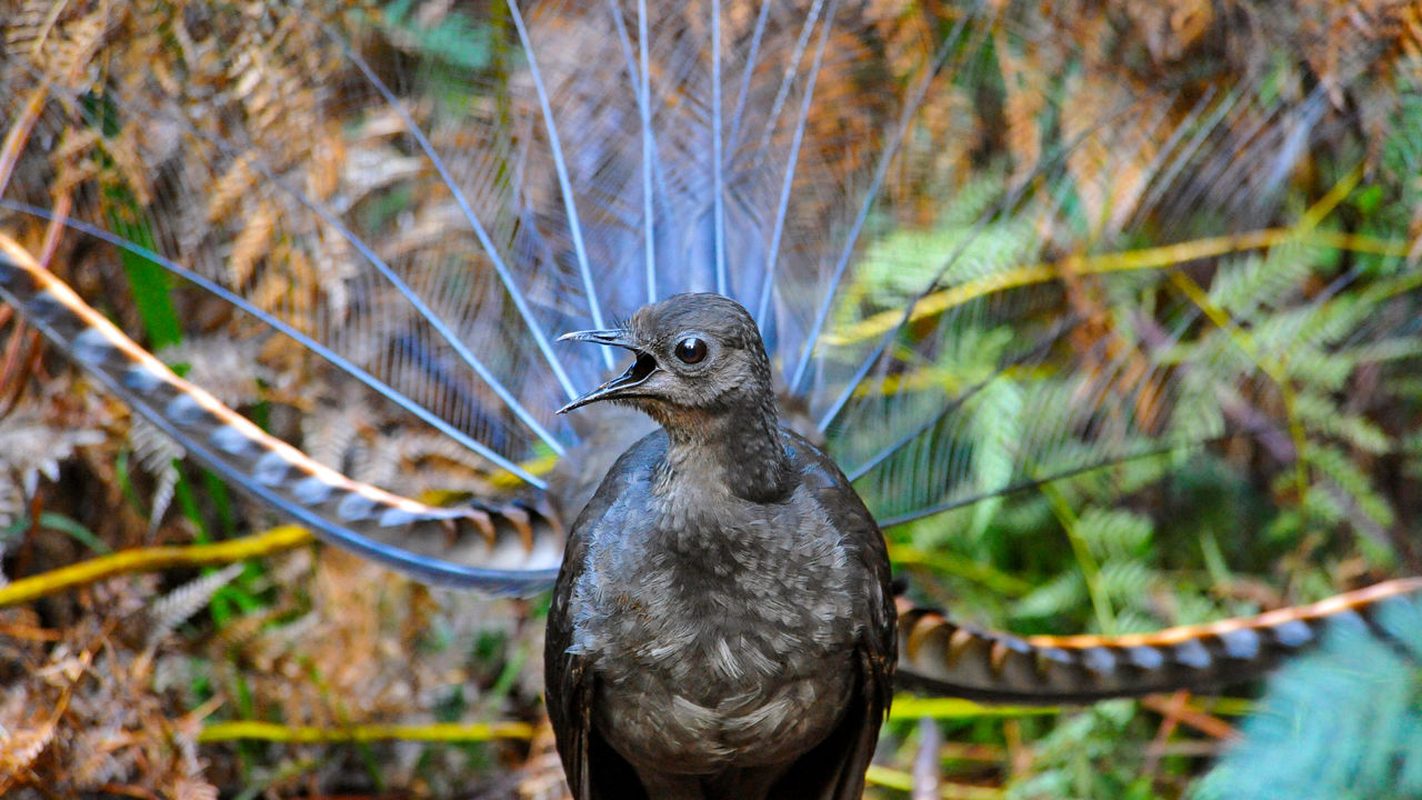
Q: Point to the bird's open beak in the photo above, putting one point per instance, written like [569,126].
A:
[620,386]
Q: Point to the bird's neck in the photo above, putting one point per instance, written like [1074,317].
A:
[742,447]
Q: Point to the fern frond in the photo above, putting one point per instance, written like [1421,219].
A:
[158,454]
[1344,723]
[174,608]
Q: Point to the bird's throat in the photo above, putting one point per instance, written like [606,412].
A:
[743,448]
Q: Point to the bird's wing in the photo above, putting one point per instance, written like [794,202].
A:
[862,537]
[569,686]
[594,770]
[835,769]
[566,687]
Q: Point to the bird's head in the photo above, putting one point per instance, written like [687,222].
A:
[696,354]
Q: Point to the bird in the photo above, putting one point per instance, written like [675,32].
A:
[723,624]
[385,218]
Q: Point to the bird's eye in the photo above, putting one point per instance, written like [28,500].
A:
[690,350]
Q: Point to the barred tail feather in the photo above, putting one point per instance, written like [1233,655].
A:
[939,656]
[509,549]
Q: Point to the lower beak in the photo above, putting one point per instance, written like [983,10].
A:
[635,375]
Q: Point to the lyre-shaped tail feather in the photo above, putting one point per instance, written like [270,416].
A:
[940,656]
[510,549]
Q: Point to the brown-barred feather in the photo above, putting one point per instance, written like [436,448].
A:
[508,538]
[944,657]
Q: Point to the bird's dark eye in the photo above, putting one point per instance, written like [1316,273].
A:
[690,350]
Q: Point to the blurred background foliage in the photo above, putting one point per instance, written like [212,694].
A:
[1232,187]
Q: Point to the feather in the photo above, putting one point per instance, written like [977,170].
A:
[365,197]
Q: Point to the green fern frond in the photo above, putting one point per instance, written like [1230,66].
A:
[1115,533]
[1059,595]
[1322,414]
[1347,487]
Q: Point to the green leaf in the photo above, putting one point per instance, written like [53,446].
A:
[49,520]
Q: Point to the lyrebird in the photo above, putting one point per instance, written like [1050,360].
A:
[429,217]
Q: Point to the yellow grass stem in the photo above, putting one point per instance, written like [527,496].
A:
[434,732]
[909,707]
[148,559]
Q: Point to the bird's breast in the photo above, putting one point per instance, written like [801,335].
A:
[654,726]
[720,636]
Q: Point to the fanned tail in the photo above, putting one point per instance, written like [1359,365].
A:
[422,208]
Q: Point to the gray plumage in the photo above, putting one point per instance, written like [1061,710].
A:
[723,625]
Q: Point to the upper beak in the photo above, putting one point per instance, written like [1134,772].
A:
[617,337]
[640,370]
